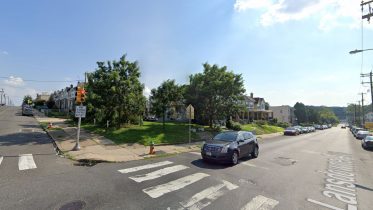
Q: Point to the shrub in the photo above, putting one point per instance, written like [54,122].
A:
[282,124]
[260,122]
[236,126]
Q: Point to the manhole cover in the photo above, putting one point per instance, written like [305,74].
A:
[285,161]
[75,205]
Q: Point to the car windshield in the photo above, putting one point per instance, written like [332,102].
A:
[363,132]
[369,138]
[290,128]
[227,136]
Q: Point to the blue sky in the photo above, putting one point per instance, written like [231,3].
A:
[286,50]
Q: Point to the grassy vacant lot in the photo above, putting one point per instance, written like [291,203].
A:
[148,132]
[262,129]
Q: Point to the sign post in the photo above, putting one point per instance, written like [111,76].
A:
[80,111]
[190,116]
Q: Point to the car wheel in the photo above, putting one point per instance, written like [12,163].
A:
[235,158]
[255,152]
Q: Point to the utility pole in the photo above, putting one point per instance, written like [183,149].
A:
[358,114]
[355,114]
[362,109]
[370,75]
[370,12]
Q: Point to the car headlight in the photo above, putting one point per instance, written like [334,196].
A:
[224,149]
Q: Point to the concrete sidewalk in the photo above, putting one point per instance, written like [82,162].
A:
[99,148]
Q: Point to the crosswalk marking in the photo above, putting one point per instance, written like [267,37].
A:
[143,167]
[158,173]
[260,203]
[1,159]
[25,162]
[255,166]
[159,190]
[210,194]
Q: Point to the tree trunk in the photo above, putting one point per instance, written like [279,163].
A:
[164,115]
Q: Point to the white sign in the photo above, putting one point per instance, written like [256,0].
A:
[190,112]
[80,111]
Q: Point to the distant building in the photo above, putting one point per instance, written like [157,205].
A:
[369,117]
[254,109]
[283,113]
[44,96]
[65,98]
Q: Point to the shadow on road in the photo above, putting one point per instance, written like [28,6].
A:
[24,138]
[364,188]
[210,165]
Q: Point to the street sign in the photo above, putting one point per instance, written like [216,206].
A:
[190,112]
[80,111]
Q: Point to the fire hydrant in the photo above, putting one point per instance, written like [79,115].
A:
[151,149]
[50,125]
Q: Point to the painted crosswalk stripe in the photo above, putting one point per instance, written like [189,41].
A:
[159,190]
[158,173]
[143,167]
[260,203]
[25,162]
[209,195]
[1,159]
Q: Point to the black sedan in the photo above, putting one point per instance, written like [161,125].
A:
[367,142]
[229,146]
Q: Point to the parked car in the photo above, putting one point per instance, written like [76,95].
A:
[362,134]
[356,130]
[229,146]
[318,127]
[291,131]
[324,127]
[151,118]
[27,110]
[343,126]
[367,142]
[329,125]
[312,129]
[299,129]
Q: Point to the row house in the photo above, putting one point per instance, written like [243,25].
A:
[284,113]
[65,98]
[254,110]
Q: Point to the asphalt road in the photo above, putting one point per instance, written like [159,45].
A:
[291,172]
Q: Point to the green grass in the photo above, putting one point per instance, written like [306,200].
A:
[150,131]
[264,129]
[58,114]
[44,125]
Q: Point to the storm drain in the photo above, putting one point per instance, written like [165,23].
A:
[285,161]
[75,205]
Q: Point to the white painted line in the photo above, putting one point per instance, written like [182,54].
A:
[25,162]
[323,204]
[255,166]
[260,203]
[143,167]
[195,153]
[1,159]
[158,173]
[159,190]
[210,194]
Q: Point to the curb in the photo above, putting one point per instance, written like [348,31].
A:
[56,148]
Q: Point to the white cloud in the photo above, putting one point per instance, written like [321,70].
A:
[14,81]
[330,13]
[5,52]
[147,91]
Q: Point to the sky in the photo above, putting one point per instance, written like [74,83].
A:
[287,51]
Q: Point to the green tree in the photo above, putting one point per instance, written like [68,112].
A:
[266,106]
[328,116]
[300,112]
[115,92]
[27,99]
[215,93]
[162,97]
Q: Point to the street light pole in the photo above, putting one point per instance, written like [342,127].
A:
[358,51]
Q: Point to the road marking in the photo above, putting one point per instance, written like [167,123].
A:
[158,173]
[210,194]
[260,203]
[310,152]
[195,153]
[323,204]
[1,159]
[252,165]
[159,190]
[25,162]
[143,167]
